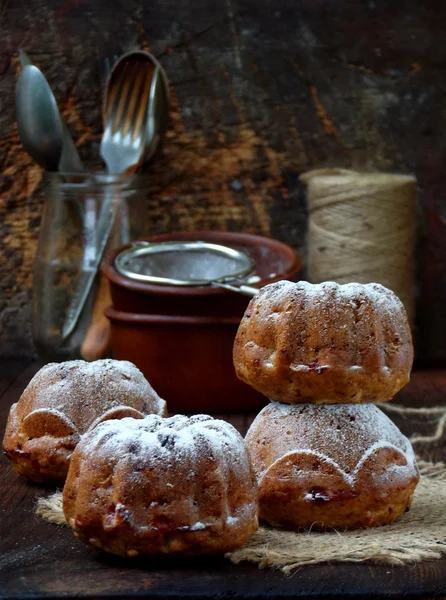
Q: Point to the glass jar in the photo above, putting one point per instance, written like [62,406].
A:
[84,217]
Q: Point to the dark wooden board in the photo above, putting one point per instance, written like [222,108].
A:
[261,92]
[9,371]
[40,560]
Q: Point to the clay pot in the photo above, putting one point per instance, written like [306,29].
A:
[188,360]
[274,261]
[181,338]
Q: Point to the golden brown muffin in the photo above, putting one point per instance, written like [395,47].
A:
[343,466]
[62,402]
[329,343]
[162,486]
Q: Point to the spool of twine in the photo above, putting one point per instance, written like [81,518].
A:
[362,228]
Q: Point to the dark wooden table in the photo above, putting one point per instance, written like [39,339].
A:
[40,560]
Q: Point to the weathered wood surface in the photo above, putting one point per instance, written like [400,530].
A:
[260,93]
[39,560]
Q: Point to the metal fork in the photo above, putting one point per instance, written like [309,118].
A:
[122,149]
[158,108]
[157,115]
[128,94]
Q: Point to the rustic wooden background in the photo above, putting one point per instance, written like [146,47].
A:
[261,92]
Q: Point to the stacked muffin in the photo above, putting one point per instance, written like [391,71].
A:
[325,456]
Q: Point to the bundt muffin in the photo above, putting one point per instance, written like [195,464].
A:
[62,402]
[325,343]
[330,466]
[155,486]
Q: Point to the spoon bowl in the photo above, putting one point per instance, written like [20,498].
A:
[38,118]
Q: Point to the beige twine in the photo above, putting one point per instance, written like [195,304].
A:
[362,227]
[419,534]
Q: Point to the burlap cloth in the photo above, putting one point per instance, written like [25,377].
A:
[419,534]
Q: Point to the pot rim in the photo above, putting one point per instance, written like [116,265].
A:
[119,316]
[223,237]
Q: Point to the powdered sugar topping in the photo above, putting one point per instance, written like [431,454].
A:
[382,298]
[83,391]
[314,328]
[178,436]
[351,433]
[175,474]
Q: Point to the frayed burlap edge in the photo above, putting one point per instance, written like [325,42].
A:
[51,509]
[420,534]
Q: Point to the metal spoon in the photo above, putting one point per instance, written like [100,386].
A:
[38,118]
[70,161]
[48,140]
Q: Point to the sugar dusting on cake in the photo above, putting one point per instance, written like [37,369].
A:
[352,433]
[83,390]
[292,333]
[175,436]
[176,448]
[384,300]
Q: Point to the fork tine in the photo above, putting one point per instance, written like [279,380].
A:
[135,92]
[113,94]
[127,112]
[140,118]
[121,101]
